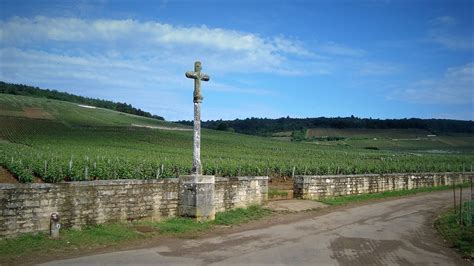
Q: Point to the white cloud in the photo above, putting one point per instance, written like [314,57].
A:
[339,49]
[451,41]
[444,33]
[32,64]
[369,68]
[249,52]
[444,21]
[455,87]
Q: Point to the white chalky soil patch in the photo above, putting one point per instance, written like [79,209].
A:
[87,106]
[162,127]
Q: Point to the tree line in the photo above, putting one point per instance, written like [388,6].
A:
[265,126]
[25,90]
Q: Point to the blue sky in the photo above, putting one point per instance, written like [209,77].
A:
[379,59]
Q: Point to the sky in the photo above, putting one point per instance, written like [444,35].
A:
[378,59]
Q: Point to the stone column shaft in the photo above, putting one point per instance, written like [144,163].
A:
[197,167]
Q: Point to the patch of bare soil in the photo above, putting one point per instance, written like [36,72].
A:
[281,183]
[37,113]
[144,229]
[163,128]
[7,177]
[37,180]
[281,188]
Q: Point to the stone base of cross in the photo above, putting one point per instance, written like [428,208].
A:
[197,197]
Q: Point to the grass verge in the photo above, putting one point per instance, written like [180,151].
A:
[92,237]
[461,237]
[397,193]
[71,239]
[240,215]
[179,225]
[275,193]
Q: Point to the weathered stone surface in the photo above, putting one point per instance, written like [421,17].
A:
[83,203]
[27,207]
[197,197]
[197,99]
[234,192]
[316,187]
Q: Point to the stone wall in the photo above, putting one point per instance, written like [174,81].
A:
[26,208]
[235,192]
[316,187]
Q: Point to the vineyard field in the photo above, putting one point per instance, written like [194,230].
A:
[408,140]
[61,141]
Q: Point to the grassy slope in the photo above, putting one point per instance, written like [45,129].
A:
[104,141]
[72,114]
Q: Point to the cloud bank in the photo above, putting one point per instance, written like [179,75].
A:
[454,88]
[241,51]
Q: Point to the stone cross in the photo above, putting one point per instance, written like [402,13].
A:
[197,76]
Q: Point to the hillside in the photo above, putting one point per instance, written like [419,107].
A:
[24,90]
[70,114]
[60,141]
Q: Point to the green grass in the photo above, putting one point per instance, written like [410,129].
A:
[113,234]
[78,143]
[180,225]
[462,237]
[372,196]
[88,237]
[241,215]
[272,193]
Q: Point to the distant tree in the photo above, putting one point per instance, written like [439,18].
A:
[223,126]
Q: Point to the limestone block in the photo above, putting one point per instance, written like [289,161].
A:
[197,197]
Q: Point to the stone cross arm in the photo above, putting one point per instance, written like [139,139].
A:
[197,75]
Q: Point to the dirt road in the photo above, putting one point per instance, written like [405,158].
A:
[395,232]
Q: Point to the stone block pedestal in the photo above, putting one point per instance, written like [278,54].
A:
[196,197]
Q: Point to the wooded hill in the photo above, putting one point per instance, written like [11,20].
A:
[24,90]
[266,126]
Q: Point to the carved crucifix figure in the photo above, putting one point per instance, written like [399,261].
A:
[197,76]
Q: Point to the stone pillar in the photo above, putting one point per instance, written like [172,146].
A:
[197,167]
[301,187]
[196,197]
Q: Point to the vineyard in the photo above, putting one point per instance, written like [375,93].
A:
[61,141]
